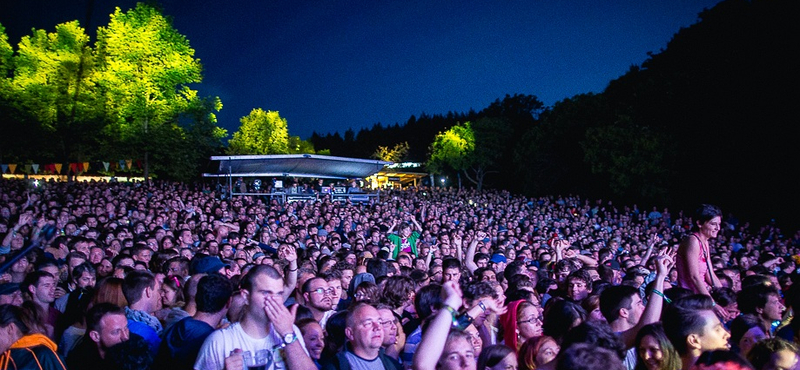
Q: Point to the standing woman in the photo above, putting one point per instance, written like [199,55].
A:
[694,256]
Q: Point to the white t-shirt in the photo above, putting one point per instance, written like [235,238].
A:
[221,343]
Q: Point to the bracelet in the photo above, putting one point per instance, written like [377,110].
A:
[482,306]
[293,270]
[658,293]
[452,313]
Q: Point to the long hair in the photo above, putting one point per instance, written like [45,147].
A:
[492,355]
[669,356]
[109,290]
[530,350]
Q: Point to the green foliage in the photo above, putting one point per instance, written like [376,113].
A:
[6,52]
[53,84]
[631,157]
[473,149]
[261,132]
[395,154]
[452,149]
[300,146]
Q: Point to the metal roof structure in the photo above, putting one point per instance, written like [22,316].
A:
[296,165]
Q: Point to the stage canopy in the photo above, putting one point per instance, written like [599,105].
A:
[295,165]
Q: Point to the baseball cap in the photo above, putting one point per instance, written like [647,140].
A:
[208,265]
[498,258]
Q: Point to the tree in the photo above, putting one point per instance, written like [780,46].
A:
[470,148]
[6,52]
[53,84]
[146,68]
[395,154]
[300,146]
[261,132]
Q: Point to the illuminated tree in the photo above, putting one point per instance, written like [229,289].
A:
[261,132]
[53,85]
[5,62]
[146,66]
[473,149]
[395,154]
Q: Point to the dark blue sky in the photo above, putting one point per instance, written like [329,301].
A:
[330,65]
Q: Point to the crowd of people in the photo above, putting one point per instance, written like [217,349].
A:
[176,276]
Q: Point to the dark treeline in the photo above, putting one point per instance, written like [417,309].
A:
[707,119]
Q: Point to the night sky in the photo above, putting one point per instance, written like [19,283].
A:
[332,65]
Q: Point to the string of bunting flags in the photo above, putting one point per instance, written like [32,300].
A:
[67,168]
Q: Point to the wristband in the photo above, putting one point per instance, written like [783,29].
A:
[482,306]
[658,293]
[452,314]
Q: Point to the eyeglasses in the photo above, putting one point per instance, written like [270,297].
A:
[531,320]
[370,323]
[323,291]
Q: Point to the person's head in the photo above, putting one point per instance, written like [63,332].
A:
[172,292]
[84,275]
[142,290]
[584,356]
[721,359]
[708,219]
[10,294]
[367,292]
[560,316]
[40,286]
[597,334]
[106,326]
[537,351]
[178,266]
[451,270]
[262,282]
[317,294]
[692,326]
[579,285]
[398,291]
[213,293]
[388,323]
[313,336]
[497,357]
[109,290]
[621,302]
[746,330]
[529,321]
[458,353]
[654,351]
[364,329]
[761,300]
[428,300]
[334,279]
[773,354]
[12,325]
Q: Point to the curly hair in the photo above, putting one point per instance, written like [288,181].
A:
[397,291]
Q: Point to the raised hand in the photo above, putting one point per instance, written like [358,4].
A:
[282,318]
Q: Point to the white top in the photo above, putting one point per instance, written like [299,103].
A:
[221,343]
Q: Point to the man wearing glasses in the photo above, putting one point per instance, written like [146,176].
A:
[364,346]
[318,296]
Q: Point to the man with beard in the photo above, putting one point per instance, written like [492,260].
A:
[317,294]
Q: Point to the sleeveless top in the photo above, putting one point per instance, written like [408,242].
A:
[684,275]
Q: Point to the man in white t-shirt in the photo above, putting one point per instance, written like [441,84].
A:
[267,324]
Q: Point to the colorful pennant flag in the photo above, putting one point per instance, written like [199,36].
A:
[35,168]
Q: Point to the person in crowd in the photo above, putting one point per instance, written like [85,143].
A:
[173,301]
[84,277]
[266,324]
[40,287]
[317,297]
[537,352]
[654,351]
[23,349]
[314,338]
[443,348]
[746,331]
[142,291]
[497,357]
[693,327]
[522,321]
[773,354]
[694,255]
[10,294]
[106,326]
[182,341]
[583,356]
[364,346]
[763,301]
